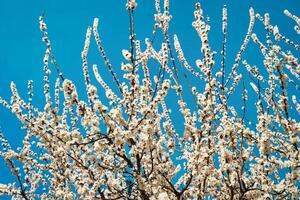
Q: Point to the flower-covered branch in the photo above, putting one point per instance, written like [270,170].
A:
[127,144]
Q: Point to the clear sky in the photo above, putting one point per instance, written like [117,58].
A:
[22,51]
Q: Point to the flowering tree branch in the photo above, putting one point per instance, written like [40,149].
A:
[128,146]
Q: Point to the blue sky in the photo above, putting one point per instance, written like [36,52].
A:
[22,51]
